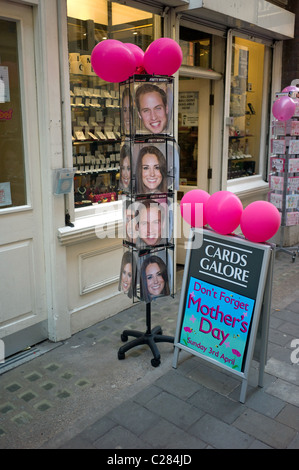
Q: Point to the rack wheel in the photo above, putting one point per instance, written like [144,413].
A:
[124,338]
[121,355]
[155,362]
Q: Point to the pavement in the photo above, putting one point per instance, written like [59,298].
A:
[76,394]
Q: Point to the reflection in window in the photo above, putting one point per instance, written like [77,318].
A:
[95,103]
[196,47]
[12,168]
[245,108]
[188,135]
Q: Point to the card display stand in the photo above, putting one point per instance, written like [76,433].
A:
[284,174]
[149,175]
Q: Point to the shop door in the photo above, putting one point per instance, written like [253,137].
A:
[23,311]
[194,143]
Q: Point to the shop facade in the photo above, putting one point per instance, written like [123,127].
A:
[60,251]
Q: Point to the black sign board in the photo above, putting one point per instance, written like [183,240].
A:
[222,296]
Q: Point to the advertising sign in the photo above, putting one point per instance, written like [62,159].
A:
[216,322]
[221,299]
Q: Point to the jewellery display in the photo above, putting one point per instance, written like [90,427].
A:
[95,134]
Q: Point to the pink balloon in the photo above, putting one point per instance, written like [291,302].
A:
[223,211]
[283,108]
[163,57]
[112,61]
[193,207]
[260,221]
[290,88]
[138,54]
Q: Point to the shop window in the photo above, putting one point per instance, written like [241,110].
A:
[246,99]
[196,47]
[95,107]
[12,159]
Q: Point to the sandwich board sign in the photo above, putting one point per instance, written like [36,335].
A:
[225,300]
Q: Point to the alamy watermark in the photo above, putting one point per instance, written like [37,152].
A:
[141,215]
[295,353]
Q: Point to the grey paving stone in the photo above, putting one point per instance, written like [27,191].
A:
[264,403]
[133,417]
[290,329]
[289,416]
[294,307]
[288,372]
[120,438]
[165,435]
[285,391]
[267,430]
[147,394]
[258,445]
[295,442]
[97,429]
[220,435]
[77,443]
[217,405]
[287,315]
[278,337]
[213,378]
[174,410]
[178,385]
[280,353]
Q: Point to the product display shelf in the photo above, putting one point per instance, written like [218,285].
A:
[96,139]
[284,175]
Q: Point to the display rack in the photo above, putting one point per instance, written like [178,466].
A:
[148,178]
[284,174]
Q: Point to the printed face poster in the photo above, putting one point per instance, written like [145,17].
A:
[216,322]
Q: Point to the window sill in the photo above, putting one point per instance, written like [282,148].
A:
[99,221]
[247,186]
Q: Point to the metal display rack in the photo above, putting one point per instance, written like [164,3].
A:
[148,148]
[284,174]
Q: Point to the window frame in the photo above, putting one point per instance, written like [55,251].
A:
[258,181]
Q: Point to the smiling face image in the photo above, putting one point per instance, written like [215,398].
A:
[154,279]
[151,172]
[126,277]
[151,102]
[150,225]
[125,172]
[126,113]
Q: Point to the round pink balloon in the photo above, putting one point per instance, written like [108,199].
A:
[138,54]
[290,88]
[260,221]
[163,57]
[112,61]
[193,207]
[283,108]
[223,211]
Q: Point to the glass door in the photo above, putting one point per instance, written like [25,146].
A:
[194,143]
[12,169]
[23,310]
[193,132]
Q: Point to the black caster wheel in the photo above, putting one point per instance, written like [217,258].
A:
[124,338]
[121,355]
[155,362]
